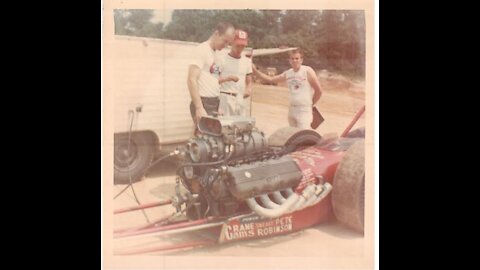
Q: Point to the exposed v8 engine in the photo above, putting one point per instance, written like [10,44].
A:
[230,168]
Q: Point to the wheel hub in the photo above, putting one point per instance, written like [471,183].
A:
[125,156]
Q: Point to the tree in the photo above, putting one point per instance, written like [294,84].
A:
[136,22]
[354,42]
[299,20]
[190,25]
[272,19]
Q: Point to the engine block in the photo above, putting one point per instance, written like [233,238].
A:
[229,164]
[263,177]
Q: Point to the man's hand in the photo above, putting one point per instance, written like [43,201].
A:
[254,69]
[248,93]
[199,113]
[228,78]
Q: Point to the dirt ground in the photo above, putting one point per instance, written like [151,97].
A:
[341,99]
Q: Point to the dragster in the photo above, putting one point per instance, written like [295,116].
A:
[233,183]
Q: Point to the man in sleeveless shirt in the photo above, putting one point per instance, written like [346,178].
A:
[304,89]
[203,73]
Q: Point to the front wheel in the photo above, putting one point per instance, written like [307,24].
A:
[132,158]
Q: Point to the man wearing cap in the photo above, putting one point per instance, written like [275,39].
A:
[238,68]
[203,72]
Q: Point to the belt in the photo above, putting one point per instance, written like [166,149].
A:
[227,93]
[302,105]
[209,98]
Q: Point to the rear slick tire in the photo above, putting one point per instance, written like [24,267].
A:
[293,138]
[348,194]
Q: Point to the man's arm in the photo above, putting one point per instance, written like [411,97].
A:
[192,82]
[313,80]
[228,78]
[265,77]
[248,85]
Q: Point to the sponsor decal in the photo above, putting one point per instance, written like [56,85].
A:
[254,226]
[295,82]
[307,160]
[242,35]
[214,69]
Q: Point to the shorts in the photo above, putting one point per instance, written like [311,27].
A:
[300,116]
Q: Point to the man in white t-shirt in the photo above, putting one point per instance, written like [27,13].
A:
[237,66]
[203,72]
[303,86]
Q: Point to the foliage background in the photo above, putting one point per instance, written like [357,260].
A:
[332,39]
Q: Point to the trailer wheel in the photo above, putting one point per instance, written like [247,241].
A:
[293,138]
[348,194]
[132,162]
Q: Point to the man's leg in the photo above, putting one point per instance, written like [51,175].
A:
[291,117]
[211,105]
[240,105]
[304,125]
[246,107]
[227,104]
[224,104]
[242,110]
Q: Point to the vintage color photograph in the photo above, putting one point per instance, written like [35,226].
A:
[237,133]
